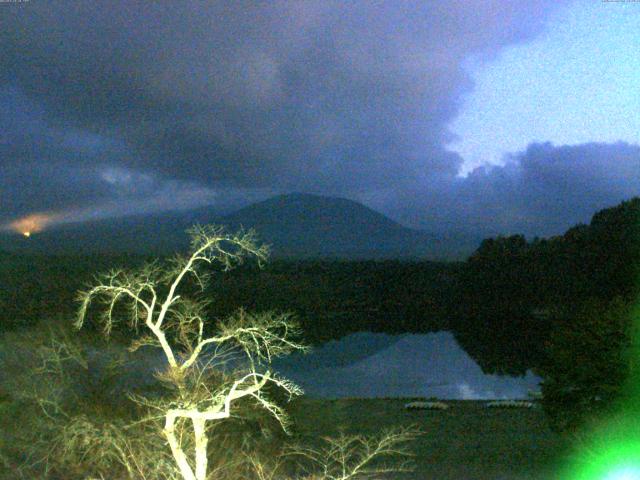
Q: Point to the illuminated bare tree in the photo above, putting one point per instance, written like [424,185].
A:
[351,457]
[208,373]
[346,457]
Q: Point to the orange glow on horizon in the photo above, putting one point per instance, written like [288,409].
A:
[31,224]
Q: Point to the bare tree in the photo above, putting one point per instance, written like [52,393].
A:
[351,457]
[208,372]
[345,457]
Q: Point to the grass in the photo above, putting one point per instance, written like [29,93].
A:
[466,442]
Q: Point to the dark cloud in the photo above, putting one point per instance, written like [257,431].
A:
[41,167]
[539,192]
[123,106]
[51,168]
[346,98]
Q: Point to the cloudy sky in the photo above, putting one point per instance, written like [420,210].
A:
[493,116]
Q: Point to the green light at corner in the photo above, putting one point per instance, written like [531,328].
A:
[612,454]
[624,473]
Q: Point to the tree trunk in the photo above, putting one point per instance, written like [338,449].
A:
[176,450]
[201,448]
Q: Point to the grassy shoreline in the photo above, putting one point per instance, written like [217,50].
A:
[468,441]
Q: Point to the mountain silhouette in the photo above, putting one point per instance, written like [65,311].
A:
[294,225]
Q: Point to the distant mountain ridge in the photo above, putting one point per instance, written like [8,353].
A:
[295,225]
[311,226]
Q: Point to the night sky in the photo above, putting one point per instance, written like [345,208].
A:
[493,116]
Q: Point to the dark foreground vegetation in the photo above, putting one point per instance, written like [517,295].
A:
[466,441]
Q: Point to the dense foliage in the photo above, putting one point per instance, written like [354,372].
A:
[560,306]
[589,358]
[509,288]
[34,287]
[330,298]
[499,293]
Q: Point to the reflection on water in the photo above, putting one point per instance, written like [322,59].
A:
[360,365]
[427,365]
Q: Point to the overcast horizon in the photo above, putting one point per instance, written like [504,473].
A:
[496,116]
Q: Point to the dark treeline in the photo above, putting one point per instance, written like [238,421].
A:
[512,291]
[43,287]
[563,307]
[330,298]
[335,298]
